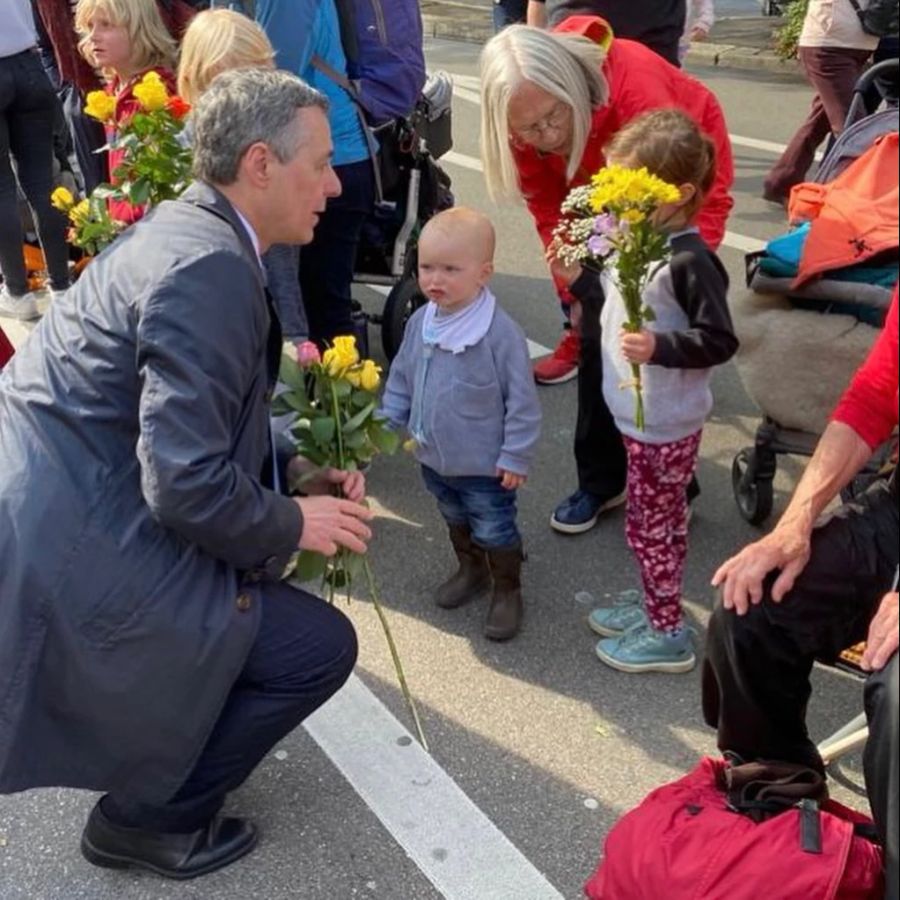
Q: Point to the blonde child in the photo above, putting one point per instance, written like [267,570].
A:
[215,41]
[691,334]
[218,40]
[462,386]
[125,39]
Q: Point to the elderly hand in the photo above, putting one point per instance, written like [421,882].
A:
[741,577]
[314,481]
[330,523]
[882,642]
[638,347]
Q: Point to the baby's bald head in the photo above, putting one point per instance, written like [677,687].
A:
[456,257]
[465,228]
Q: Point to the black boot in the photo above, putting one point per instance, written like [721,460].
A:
[471,579]
[504,618]
[179,856]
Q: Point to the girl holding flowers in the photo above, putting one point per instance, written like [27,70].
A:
[663,344]
[127,40]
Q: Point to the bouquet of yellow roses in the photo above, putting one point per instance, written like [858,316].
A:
[610,223]
[334,399]
[156,165]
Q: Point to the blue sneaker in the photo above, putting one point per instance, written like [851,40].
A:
[645,650]
[579,513]
[626,612]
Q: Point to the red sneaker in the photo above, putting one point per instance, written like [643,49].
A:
[562,364]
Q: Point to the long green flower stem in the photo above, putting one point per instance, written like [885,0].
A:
[638,396]
[398,666]
[373,592]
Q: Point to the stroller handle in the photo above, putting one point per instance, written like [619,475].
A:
[884,73]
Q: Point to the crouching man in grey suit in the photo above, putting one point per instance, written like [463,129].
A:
[147,648]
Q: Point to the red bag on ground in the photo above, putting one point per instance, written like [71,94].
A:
[683,843]
[6,349]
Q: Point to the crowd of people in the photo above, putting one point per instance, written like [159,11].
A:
[136,417]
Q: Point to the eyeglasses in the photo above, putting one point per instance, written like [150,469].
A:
[553,121]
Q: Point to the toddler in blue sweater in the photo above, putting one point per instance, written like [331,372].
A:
[463,388]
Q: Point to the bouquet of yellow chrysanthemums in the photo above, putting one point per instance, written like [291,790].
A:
[156,164]
[334,399]
[610,223]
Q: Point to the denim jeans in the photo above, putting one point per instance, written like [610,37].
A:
[480,502]
[304,652]
[28,106]
[327,264]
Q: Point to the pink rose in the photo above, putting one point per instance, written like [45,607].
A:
[308,354]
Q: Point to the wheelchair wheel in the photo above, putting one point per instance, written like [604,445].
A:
[403,300]
[753,494]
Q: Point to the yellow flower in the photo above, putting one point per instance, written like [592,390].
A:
[151,92]
[353,376]
[80,213]
[62,199]
[618,189]
[345,348]
[632,216]
[331,362]
[100,106]
[370,376]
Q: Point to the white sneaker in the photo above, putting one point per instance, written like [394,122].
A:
[23,308]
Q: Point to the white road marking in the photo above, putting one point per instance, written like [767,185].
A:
[458,849]
[460,159]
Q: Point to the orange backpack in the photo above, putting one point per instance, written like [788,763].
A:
[855,217]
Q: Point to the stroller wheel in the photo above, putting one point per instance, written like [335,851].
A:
[753,494]
[403,300]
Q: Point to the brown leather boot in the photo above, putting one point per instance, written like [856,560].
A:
[504,618]
[471,579]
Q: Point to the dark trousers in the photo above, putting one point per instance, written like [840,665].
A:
[28,106]
[599,452]
[87,139]
[756,678]
[833,73]
[304,652]
[509,12]
[326,265]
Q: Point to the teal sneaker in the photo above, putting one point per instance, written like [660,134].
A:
[626,612]
[642,649]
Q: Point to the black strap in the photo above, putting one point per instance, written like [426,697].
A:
[352,89]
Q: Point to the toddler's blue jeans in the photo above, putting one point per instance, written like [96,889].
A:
[480,502]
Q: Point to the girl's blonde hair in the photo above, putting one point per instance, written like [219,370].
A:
[217,40]
[567,66]
[151,43]
[669,143]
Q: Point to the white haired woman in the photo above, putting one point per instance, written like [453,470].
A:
[551,101]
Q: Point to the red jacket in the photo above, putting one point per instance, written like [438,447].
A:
[869,405]
[639,81]
[126,106]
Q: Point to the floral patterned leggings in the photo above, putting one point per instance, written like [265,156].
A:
[656,523]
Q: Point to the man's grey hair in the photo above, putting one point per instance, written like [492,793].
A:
[243,107]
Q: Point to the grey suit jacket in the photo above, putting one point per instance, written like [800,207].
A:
[135,527]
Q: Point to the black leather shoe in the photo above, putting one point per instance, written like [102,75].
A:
[179,856]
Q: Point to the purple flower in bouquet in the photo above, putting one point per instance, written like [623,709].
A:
[599,245]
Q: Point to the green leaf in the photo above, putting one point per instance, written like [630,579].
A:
[343,389]
[386,440]
[291,374]
[140,192]
[323,430]
[310,566]
[359,419]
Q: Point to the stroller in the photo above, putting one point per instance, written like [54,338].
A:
[787,341]
[410,189]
